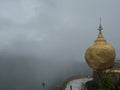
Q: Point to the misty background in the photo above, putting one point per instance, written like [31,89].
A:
[45,40]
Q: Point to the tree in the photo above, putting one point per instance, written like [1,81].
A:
[106,83]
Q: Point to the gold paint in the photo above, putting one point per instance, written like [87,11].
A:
[101,55]
[114,69]
[111,71]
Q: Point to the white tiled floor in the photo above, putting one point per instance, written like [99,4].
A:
[76,84]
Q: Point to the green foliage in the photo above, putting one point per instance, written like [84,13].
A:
[106,83]
[118,86]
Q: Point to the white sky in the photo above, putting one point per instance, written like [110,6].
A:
[59,23]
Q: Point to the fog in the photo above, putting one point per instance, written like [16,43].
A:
[45,40]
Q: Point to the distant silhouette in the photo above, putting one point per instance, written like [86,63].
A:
[43,84]
[70,87]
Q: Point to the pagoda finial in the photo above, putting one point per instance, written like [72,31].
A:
[100,26]
[100,36]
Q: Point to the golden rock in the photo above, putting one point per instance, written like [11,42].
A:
[101,55]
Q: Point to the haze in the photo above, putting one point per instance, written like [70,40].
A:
[45,40]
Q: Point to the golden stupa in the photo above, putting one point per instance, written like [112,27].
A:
[101,55]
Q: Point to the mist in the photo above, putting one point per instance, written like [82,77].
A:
[44,41]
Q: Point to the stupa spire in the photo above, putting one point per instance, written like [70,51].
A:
[100,26]
[100,36]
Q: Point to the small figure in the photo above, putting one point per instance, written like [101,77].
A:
[70,87]
[43,84]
